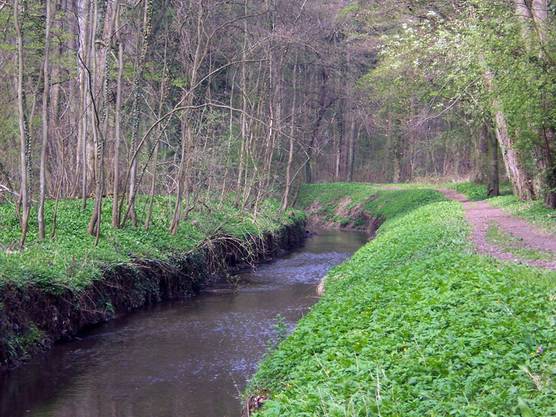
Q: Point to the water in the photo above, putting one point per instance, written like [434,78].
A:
[182,359]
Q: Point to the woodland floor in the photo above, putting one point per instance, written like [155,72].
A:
[506,237]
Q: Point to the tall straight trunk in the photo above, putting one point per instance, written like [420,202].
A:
[547,132]
[494,176]
[350,108]
[186,130]
[100,104]
[118,138]
[137,86]
[24,135]
[45,122]
[351,149]
[84,12]
[321,111]
[179,181]
[230,138]
[285,199]
[243,88]
[162,97]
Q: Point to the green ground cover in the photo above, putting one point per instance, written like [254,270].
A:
[381,202]
[416,324]
[514,245]
[532,211]
[71,260]
[477,192]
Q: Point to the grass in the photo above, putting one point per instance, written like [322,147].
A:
[323,199]
[416,324]
[381,202]
[477,192]
[328,195]
[511,244]
[71,260]
[533,211]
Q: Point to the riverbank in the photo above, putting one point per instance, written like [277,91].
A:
[417,323]
[51,291]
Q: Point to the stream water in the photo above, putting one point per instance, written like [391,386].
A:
[181,359]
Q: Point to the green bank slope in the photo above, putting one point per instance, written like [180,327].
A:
[417,325]
[71,260]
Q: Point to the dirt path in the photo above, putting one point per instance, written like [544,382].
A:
[481,215]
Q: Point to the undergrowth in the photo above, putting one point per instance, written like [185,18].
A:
[416,324]
[71,260]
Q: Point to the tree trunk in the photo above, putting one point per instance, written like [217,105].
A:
[547,132]
[323,107]
[162,97]
[351,149]
[84,20]
[118,139]
[137,86]
[285,199]
[489,148]
[99,103]
[522,183]
[44,144]
[24,135]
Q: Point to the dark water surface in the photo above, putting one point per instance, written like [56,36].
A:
[181,359]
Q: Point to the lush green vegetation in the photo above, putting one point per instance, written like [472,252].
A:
[382,202]
[532,211]
[72,260]
[327,196]
[477,192]
[416,324]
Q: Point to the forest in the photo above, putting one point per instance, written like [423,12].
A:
[114,100]
[146,140]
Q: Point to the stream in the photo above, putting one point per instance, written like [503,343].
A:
[189,358]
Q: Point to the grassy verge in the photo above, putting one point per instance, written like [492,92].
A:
[417,325]
[379,202]
[532,211]
[477,192]
[71,260]
[511,244]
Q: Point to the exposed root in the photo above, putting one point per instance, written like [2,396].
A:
[253,403]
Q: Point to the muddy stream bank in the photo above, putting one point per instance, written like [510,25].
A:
[187,358]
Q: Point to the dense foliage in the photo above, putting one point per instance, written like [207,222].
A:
[415,324]
[475,75]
